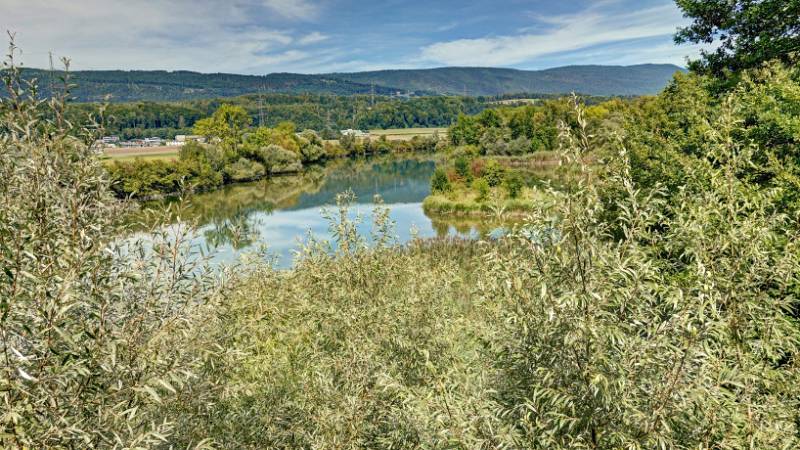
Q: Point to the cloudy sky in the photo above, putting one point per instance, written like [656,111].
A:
[313,36]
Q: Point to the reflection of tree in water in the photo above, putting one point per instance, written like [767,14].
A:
[240,230]
[482,226]
[441,228]
[396,181]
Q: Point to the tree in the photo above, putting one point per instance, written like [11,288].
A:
[439,181]
[226,124]
[749,32]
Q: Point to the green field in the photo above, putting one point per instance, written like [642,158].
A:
[149,154]
[404,134]
[164,157]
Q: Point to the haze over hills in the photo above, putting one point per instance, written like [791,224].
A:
[591,80]
[157,85]
[122,86]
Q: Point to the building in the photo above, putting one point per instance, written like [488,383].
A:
[153,142]
[183,138]
[355,133]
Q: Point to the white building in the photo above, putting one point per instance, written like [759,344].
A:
[153,142]
[183,138]
[355,133]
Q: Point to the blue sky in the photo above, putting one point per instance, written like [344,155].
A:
[316,36]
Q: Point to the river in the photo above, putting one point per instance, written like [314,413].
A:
[280,213]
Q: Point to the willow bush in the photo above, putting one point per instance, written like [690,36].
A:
[676,335]
[96,338]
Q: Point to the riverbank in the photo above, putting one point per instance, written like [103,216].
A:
[470,204]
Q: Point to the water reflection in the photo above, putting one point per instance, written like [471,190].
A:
[281,212]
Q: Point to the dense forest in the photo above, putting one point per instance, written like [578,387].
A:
[128,86]
[325,113]
[590,80]
[653,301]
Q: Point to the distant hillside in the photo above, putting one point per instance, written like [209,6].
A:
[476,81]
[125,86]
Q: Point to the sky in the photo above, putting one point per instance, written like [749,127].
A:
[322,36]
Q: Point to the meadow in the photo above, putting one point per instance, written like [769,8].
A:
[145,153]
[404,134]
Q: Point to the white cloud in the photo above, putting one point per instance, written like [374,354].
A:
[561,34]
[293,9]
[313,38]
[202,35]
[288,56]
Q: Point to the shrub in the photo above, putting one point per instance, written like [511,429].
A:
[311,147]
[244,170]
[653,339]
[279,160]
[98,327]
[513,184]
[519,146]
[462,166]
[494,173]
[440,182]
[481,186]
[477,168]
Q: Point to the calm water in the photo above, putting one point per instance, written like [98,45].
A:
[282,212]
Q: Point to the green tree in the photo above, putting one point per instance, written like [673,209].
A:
[494,173]
[513,183]
[749,32]
[226,125]
[439,181]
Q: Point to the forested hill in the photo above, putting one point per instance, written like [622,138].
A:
[125,86]
[157,85]
[592,80]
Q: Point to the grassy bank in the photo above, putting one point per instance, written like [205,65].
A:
[468,203]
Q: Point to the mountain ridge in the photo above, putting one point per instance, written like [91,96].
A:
[640,79]
[161,85]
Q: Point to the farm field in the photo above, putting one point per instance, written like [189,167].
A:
[405,134]
[149,153]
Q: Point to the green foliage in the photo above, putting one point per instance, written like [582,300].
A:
[279,160]
[494,173]
[747,33]
[513,183]
[654,340]
[439,181]
[517,131]
[326,113]
[311,147]
[556,336]
[519,146]
[464,131]
[481,186]
[244,170]
[462,166]
[226,125]
[669,134]
[98,333]
[651,304]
